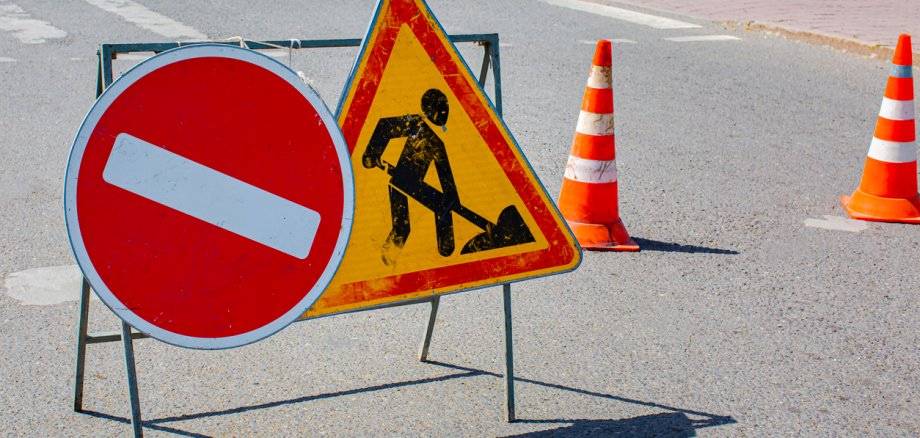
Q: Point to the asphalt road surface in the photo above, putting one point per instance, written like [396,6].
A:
[754,308]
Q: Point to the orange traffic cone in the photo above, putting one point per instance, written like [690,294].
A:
[589,200]
[888,190]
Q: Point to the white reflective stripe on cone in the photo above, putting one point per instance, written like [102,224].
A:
[591,171]
[893,151]
[599,77]
[897,109]
[594,123]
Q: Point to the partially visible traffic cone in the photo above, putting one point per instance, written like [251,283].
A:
[888,190]
[589,199]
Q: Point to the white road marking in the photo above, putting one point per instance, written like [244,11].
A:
[698,38]
[837,224]
[623,14]
[615,41]
[5,59]
[147,19]
[135,56]
[277,53]
[29,30]
[140,56]
[46,286]
[181,184]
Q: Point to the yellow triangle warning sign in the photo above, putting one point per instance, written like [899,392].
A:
[444,198]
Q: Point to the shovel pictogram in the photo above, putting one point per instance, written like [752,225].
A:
[509,230]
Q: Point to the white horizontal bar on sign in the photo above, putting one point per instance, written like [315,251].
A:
[600,77]
[147,19]
[897,109]
[594,123]
[5,59]
[591,171]
[697,38]
[649,20]
[22,26]
[174,181]
[893,151]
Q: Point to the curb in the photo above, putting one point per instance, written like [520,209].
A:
[838,42]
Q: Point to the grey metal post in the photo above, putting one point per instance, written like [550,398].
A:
[429,329]
[99,79]
[81,348]
[128,343]
[486,58]
[497,73]
[509,355]
[105,51]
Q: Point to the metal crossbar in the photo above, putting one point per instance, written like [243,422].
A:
[489,41]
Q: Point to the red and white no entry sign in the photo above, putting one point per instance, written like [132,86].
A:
[209,196]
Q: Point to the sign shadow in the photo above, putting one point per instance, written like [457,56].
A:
[677,422]
[673,423]
[664,424]
[157,423]
[147,424]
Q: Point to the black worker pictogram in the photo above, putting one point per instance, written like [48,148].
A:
[424,148]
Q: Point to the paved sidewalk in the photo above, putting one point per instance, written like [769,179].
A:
[870,23]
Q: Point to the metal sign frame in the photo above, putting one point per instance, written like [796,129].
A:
[109,52]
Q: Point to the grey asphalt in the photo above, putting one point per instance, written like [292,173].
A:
[735,320]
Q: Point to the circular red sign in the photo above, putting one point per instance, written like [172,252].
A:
[209,196]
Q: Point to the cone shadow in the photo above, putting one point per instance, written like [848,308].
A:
[655,245]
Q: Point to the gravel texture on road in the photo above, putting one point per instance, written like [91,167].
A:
[735,319]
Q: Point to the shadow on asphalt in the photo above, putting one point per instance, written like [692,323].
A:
[665,424]
[675,423]
[155,424]
[654,245]
[147,425]
[669,424]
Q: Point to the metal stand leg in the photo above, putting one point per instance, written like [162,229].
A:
[128,343]
[81,348]
[509,355]
[426,342]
